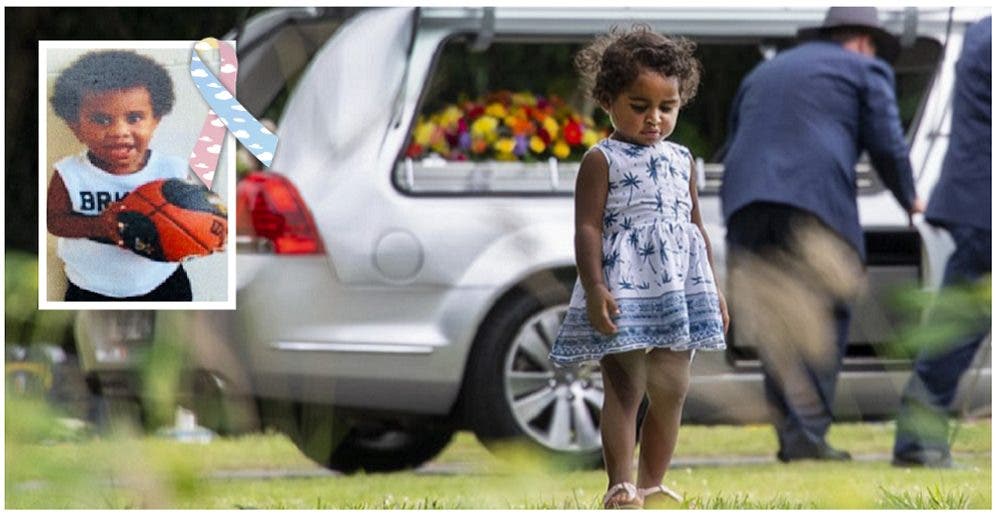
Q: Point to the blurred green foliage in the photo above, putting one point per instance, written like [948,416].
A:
[25,324]
[937,320]
[52,462]
[160,373]
[32,420]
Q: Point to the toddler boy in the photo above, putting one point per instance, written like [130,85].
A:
[113,102]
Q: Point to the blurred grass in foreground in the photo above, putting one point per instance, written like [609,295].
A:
[51,465]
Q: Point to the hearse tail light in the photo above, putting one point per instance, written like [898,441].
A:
[271,217]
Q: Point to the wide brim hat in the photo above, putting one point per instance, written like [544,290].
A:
[861,18]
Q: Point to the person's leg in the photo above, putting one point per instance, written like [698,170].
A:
[776,308]
[624,386]
[791,385]
[826,267]
[667,376]
[778,409]
[922,419]
[824,370]
[752,233]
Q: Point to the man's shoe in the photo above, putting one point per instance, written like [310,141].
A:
[821,452]
[828,452]
[924,459]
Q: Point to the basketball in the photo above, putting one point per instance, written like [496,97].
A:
[170,220]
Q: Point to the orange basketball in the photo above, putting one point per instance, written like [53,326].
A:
[171,220]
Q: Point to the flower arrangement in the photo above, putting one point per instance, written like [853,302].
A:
[505,126]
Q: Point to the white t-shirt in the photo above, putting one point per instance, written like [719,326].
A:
[106,268]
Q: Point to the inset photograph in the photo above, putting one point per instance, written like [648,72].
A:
[123,220]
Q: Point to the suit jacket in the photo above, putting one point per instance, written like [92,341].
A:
[962,195]
[797,127]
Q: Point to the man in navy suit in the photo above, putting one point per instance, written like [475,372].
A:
[798,125]
[961,204]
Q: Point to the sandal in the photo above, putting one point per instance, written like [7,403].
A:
[633,498]
[645,492]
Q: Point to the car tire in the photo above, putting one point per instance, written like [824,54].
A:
[379,450]
[515,397]
[334,443]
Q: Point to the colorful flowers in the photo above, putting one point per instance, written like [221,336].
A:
[505,126]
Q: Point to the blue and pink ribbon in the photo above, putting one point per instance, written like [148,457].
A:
[225,112]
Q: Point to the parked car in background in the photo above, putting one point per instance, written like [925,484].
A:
[392,290]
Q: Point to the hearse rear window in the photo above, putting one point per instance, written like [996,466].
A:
[513,119]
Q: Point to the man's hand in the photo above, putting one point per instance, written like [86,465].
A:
[917,207]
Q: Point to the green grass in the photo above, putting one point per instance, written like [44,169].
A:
[755,440]
[933,498]
[52,467]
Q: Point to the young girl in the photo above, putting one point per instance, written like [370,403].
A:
[113,102]
[646,297]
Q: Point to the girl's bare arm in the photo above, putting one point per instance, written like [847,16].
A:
[591,196]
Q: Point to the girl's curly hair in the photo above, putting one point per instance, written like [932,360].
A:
[614,60]
[102,71]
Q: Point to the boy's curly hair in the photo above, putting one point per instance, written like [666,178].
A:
[613,61]
[101,71]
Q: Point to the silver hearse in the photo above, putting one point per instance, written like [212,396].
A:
[388,297]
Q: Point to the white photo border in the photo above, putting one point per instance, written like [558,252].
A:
[44,46]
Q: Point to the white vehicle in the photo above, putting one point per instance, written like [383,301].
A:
[385,301]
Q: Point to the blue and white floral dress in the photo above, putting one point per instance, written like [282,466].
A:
[654,261]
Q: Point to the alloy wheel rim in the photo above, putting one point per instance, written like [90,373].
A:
[557,407]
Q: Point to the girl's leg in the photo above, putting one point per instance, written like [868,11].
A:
[667,375]
[624,385]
